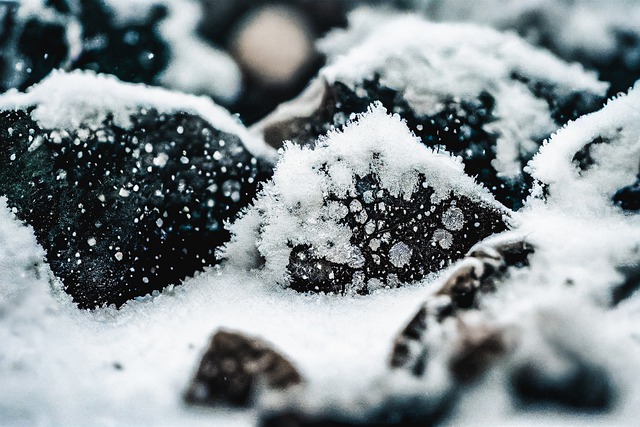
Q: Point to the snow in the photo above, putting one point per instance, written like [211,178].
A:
[66,100]
[432,63]
[616,159]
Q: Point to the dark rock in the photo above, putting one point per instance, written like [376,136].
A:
[132,52]
[479,345]
[235,368]
[123,212]
[580,385]
[392,221]
[33,48]
[628,198]
[100,35]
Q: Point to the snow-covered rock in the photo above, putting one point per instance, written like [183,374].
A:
[366,208]
[592,165]
[485,96]
[604,36]
[127,187]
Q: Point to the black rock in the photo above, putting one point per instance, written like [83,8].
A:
[628,198]
[123,212]
[235,368]
[32,48]
[144,43]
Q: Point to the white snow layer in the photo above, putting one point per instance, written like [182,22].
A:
[292,208]
[611,138]
[572,27]
[431,63]
[83,98]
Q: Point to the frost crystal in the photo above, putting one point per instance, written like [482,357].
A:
[487,97]
[313,229]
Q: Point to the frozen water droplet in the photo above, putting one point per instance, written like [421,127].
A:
[355,206]
[231,188]
[370,227]
[367,196]
[355,258]
[91,241]
[400,254]
[443,238]
[453,219]
[161,160]
[119,256]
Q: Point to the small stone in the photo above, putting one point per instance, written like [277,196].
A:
[236,368]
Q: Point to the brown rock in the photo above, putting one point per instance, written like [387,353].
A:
[236,367]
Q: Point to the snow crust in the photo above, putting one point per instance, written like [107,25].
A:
[66,100]
[292,208]
[431,63]
[611,138]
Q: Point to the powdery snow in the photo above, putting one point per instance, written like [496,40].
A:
[571,27]
[585,163]
[67,100]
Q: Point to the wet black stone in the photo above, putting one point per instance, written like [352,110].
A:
[459,128]
[622,68]
[134,52]
[582,386]
[45,46]
[115,222]
[381,224]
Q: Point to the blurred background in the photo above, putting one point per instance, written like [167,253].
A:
[250,55]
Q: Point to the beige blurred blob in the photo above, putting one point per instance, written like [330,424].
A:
[273,44]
